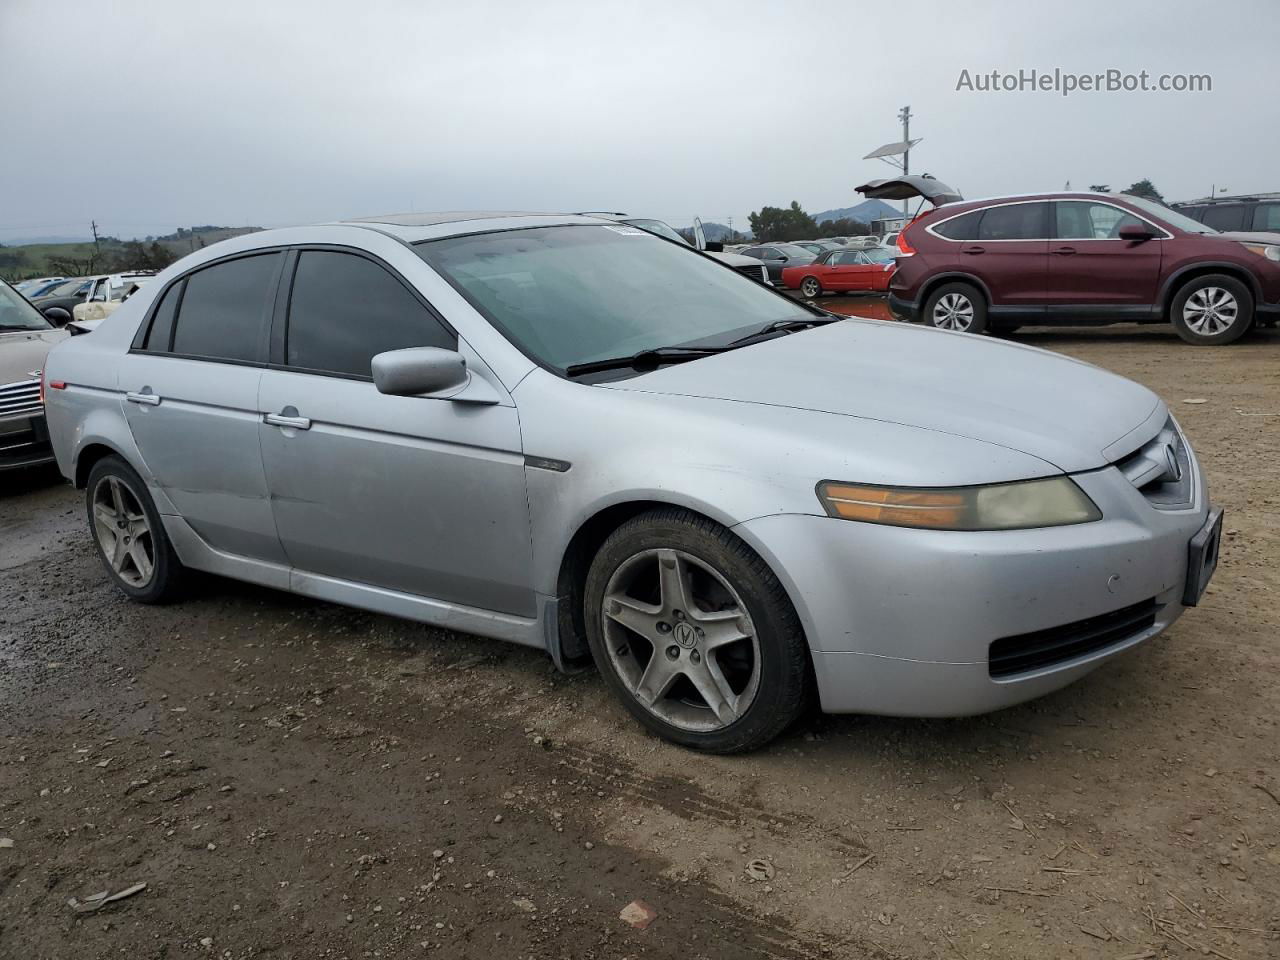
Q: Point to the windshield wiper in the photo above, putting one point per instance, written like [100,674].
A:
[783,326]
[644,360]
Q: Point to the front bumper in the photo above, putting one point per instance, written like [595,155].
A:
[24,442]
[901,621]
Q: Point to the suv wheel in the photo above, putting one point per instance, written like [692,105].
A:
[130,537]
[1212,310]
[811,288]
[695,634]
[958,307]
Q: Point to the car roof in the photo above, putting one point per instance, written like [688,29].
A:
[413,227]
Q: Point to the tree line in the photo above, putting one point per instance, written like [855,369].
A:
[777,224]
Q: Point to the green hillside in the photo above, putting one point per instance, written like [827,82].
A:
[109,255]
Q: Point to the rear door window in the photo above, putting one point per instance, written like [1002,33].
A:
[1225,216]
[160,336]
[1015,221]
[345,309]
[226,308]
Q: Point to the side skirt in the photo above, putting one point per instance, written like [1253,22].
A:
[195,553]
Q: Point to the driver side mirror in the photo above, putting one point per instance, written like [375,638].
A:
[418,370]
[714,246]
[1136,232]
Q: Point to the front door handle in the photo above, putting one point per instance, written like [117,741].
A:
[973,249]
[1064,251]
[293,423]
[145,397]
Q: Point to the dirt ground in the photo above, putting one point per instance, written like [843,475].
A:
[293,779]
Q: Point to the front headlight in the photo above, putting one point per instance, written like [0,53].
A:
[1268,250]
[1054,502]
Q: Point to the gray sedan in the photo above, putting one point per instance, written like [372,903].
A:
[576,436]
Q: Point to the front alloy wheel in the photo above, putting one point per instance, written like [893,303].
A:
[681,640]
[694,633]
[1210,311]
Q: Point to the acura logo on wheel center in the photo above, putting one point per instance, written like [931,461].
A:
[684,635]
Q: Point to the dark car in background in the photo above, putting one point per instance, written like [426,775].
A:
[776,257]
[58,303]
[1256,212]
[1080,258]
[26,338]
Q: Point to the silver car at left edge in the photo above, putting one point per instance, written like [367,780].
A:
[576,436]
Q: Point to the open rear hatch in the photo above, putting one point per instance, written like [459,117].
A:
[906,187]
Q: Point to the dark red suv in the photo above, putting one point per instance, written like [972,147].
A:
[1076,258]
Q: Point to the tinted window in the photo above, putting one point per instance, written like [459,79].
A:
[1266,216]
[752,252]
[963,227]
[224,311]
[1227,216]
[1081,220]
[161,332]
[1017,221]
[344,309]
[849,258]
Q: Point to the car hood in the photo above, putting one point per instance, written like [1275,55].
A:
[734,259]
[1069,414]
[22,352]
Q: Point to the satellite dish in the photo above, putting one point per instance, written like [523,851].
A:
[891,149]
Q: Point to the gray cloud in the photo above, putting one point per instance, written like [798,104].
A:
[147,115]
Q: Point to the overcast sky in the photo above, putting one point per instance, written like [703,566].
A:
[149,115]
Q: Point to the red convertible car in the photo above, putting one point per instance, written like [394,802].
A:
[841,271]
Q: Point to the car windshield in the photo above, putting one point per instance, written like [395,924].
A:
[792,250]
[17,314]
[660,228]
[573,294]
[1171,217]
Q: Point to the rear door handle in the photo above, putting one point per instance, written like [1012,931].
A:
[147,398]
[973,249]
[1064,251]
[280,420]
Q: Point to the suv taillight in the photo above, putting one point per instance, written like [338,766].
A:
[904,248]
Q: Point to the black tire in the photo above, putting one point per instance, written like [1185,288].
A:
[968,294]
[783,678]
[167,573]
[1240,322]
[815,284]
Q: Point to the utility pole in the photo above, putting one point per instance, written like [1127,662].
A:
[905,116]
[731,229]
[97,249]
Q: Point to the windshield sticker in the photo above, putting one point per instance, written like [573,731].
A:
[628,231]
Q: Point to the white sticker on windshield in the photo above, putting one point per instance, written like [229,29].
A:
[628,231]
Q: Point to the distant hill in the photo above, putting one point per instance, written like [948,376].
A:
[18,261]
[866,211]
[718,232]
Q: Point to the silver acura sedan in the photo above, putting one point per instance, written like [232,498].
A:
[581,437]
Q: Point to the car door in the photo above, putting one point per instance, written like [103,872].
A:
[1093,273]
[775,262]
[1010,254]
[1266,217]
[417,494]
[191,400]
[837,272]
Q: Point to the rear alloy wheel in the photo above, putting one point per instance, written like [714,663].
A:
[958,307]
[694,633]
[127,529]
[811,288]
[1212,310]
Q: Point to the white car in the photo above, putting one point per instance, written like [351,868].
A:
[107,293]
